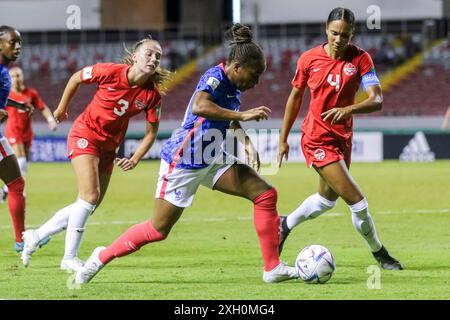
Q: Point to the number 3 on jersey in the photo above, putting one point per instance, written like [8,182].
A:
[120,111]
[336,84]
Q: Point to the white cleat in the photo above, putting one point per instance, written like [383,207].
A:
[30,245]
[281,272]
[90,268]
[71,265]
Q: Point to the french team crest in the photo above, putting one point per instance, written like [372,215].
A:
[349,69]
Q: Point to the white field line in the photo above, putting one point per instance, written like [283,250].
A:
[221,219]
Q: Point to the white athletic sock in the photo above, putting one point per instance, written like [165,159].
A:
[363,223]
[57,223]
[23,165]
[75,227]
[311,208]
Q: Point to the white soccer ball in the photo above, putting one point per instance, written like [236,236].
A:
[315,264]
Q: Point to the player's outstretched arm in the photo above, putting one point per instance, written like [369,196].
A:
[151,132]
[74,82]
[293,105]
[203,106]
[47,114]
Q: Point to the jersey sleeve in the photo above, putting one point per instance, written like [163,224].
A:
[301,74]
[36,100]
[365,64]
[210,81]
[153,112]
[97,73]
[367,72]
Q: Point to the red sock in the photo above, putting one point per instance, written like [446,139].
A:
[16,205]
[267,225]
[130,241]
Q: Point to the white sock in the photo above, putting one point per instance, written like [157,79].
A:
[363,223]
[311,208]
[23,165]
[75,227]
[57,223]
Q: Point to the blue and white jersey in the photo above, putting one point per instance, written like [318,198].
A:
[199,140]
[5,87]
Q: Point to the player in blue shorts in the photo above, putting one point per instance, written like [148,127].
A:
[194,156]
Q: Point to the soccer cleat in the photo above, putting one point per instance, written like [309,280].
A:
[386,261]
[284,232]
[71,265]
[44,241]
[281,272]
[18,247]
[90,268]
[31,243]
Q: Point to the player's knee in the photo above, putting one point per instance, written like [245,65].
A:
[91,196]
[17,185]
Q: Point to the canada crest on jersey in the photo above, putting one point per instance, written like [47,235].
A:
[140,104]
[349,69]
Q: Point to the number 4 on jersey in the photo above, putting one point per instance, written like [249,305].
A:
[336,84]
[120,111]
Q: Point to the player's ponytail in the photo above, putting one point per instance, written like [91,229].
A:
[243,50]
[161,77]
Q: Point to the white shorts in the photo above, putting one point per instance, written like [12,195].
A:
[178,185]
[5,148]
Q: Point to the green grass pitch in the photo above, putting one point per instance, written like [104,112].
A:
[213,251]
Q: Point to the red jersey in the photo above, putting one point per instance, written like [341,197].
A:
[333,83]
[18,125]
[106,118]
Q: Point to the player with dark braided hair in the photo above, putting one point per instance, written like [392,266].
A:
[190,158]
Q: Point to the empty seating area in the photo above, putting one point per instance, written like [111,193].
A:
[424,92]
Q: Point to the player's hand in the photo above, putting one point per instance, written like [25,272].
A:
[259,113]
[252,157]
[60,115]
[283,151]
[337,115]
[125,164]
[3,115]
[52,125]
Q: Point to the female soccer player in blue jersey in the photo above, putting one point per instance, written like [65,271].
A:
[190,158]
[10,47]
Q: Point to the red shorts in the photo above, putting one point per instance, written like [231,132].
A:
[17,137]
[320,154]
[78,145]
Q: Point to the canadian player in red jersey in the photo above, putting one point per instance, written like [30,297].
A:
[18,128]
[124,90]
[333,72]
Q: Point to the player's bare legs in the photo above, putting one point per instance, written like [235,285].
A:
[164,217]
[241,180]
[10,175]
[72,217]
[337,181]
